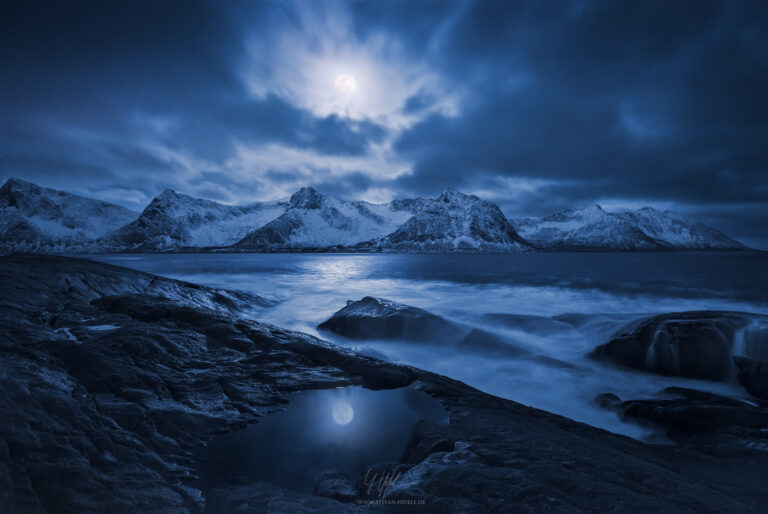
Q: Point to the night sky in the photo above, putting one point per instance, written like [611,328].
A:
[538,106]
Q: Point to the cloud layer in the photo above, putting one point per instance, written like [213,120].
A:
[536,105]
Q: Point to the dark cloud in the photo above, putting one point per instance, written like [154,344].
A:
[346,186]
[661,101]
[575,102]
[91,84]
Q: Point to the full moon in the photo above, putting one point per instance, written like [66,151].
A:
[345,83]
[343,413]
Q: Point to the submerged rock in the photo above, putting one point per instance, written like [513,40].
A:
[482,341]
[689,409]
[378,318]
[703,421]
[608,401]
[695,344]
[106,420]
[753,375]
[537,324]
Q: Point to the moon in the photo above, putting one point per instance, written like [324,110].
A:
[345,83]
[343,413]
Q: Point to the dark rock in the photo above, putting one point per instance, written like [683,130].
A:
[689,409]
[264,497]
[107,420]
[427,438]
[336,485]
[377,318]
[704,422]
[753,375]
[695,344]
[608,401]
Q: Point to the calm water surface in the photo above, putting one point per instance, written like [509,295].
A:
[346,429]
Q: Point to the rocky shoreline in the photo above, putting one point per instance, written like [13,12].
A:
[112,378]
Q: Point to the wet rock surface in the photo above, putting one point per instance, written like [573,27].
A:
[707,422]
[337,486]
[379,318]
[695,344]
[753,375]
[107,418]
[689,410]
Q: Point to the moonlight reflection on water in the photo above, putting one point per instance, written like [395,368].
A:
[343,413]
[345,430]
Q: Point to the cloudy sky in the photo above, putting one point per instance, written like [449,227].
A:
[538,106]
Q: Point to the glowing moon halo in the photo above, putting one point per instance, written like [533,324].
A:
[345,83]
[343,413]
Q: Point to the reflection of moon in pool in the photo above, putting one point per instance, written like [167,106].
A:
[343,413]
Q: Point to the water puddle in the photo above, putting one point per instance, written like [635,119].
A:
[346,430]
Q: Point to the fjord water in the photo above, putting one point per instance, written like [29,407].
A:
[558,305]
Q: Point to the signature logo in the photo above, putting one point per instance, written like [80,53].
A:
[379,484]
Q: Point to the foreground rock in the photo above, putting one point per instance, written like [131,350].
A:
[695,344]
[379,318]
[111,378]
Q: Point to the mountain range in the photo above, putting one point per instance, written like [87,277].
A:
[594,229]
[34,219]
[41,220]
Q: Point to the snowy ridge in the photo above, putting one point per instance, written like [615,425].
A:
[36,219]
[647,229]
[314,220]
[174,221]
[677,233]
[453,222]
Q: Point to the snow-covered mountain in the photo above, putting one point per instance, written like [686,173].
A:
[173,221]
[37,219]
[677,233]
[314,220]
[454,221]
[592,228]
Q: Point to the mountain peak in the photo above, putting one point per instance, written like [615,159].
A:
[591,211]
[306,198]
[168,194]
[648,208]
[450,194]
[12,181]
[17,183]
